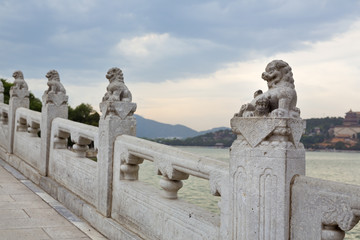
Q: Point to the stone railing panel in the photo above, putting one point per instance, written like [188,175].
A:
[26,141]
[166,216]
[70,167]
[4,130]
[323,209]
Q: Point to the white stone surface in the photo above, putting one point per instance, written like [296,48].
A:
[1,92]
[116,119]
[323,209]
[54,104]
[19,97]
[280,99]
[150,212]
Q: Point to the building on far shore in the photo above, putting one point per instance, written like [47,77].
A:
[350,128]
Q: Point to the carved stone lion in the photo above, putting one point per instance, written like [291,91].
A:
[280,99]
[19,82]
[54,83]
[117,90]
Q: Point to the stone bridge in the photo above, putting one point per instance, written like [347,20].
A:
[263,191]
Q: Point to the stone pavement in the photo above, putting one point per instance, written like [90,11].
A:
[27,212]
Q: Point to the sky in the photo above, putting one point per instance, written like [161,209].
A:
[187,62]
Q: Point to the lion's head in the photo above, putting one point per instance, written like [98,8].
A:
[18,75]
[53,75]
[115,74]
[277,73]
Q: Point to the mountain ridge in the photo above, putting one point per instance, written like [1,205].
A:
[147,128]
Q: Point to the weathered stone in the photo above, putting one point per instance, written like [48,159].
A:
[54,104]
[1,92]
[280,99]
[19,97]
[117,119]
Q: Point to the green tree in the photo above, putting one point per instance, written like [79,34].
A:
[84,113]
[35,103]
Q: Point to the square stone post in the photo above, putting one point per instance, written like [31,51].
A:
[116,119]
[19,97]
[54,104]
[1,92]
[263,160]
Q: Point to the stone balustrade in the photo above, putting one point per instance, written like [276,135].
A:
[81,134]
[4,111]
[28,121]
[263,191]
[173,164]
[332,208]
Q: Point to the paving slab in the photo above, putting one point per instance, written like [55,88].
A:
[27,212]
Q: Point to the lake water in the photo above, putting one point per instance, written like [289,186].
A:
[335,166]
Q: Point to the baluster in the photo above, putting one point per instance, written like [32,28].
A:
[171,183]
[60,140]
[332,233]
[81,146]
[4,118]
[22,126]
[33,129]
[130,168]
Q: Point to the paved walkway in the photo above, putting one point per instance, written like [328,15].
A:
[27,212]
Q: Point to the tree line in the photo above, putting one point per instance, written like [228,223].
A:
[83,113]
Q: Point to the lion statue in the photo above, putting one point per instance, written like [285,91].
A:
[117,90]
[54,83]
[19,82]
[280,99]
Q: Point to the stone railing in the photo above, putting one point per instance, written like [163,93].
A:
[323,209]
[174,166]
[263,193]
[4,112]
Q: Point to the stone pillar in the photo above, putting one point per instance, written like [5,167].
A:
[54,104]
[1,92]
[264,159]
[116,119]
[19,97]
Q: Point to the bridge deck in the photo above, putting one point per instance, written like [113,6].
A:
[27,212]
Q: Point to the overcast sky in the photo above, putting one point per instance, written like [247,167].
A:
[188,62]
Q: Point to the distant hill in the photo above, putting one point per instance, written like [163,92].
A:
[220,138]
[147,128]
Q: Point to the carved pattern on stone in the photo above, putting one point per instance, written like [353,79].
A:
[268,205]
[297,128]
[215,181]
[337,211]
[117,99]
[280,99]
[20,87]
[254,131]
[239,210]
[56,93]
[275,132]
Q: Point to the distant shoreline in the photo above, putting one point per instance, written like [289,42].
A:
[308,150]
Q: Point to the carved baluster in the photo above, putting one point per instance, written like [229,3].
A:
[60,140]
[81,146]
[130,168]
[332,232]
[33,129]
[171,183]
[4,118]
[22,126]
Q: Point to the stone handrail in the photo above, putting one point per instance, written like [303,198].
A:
[80,133]
[322,209]
[28,118]
[173,163]
[4,109]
